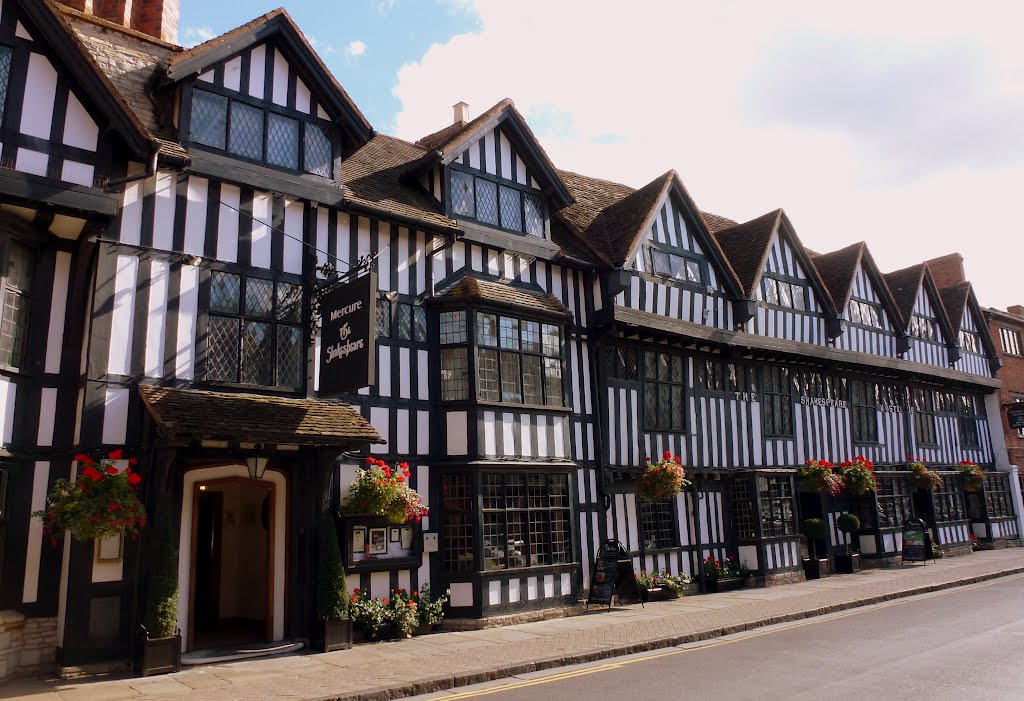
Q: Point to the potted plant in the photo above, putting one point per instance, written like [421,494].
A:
[821,476]
[368,616]
[724,575]
[858,476]
[333,629]
[401,614]
[662,480]
[925,479]
[431,611]
[652,587]
[814,529]
[102,502]
[848,562]
[972,474]
[379,490]
[160,638]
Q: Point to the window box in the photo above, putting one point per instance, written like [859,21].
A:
[716,585]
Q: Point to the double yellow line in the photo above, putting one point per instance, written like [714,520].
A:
[559,676]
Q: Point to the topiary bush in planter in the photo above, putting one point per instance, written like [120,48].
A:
[814,529]
[161,639]
[333,630]
[848,562]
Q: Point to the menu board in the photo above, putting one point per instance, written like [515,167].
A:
[612,575]
[917,542]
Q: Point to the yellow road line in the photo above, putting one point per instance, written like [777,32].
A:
[558,676]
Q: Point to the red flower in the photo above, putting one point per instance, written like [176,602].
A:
[667,455]
[82,457]
[404,465]
[384,601]
[416,593]
[357,591]
[133,461]
[112,470]
[134,479]
[116,454]
[95,476]
[143,522]
[355,599]
[370,460]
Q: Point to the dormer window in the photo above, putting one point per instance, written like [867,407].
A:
[674,265]
[970,341]
[505,204]
[865,314]
[260,134]
[781,293]
[924,328]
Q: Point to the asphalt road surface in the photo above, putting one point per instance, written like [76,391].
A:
[963,643]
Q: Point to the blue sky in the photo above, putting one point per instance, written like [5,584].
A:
[389,33]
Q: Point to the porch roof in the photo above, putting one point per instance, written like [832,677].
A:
[193,414]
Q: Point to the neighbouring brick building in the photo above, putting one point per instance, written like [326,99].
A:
[1007,330]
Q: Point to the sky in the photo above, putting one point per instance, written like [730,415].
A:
[899,124]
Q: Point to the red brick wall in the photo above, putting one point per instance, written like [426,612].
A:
[1012,375]
[947,270]
[117,11]
[158,18]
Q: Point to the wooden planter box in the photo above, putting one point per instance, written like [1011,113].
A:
[848,564]
[720,584]
[333,635]
[657,594]
[816,569]
[424,628]
[159,655]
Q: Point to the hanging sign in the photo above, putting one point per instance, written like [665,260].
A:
[348,335]
[917,541]
[1015,415]
[611,575]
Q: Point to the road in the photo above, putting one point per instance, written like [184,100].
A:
[964,643]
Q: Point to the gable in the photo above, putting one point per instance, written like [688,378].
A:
[669,231]
[783,265]
[494,153]
[864,290]
[927,307]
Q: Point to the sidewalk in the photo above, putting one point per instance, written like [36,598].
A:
[443,660]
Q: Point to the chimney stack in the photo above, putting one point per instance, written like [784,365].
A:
[157,18]
[947,270]
[1016,309]
[461,112]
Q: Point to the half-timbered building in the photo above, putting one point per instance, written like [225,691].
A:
[168,216]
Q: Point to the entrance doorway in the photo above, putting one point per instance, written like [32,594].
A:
[232,562]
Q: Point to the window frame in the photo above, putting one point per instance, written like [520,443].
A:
[919,322]
[8,243]
[744,518]
[870,306]
[774,505]
[776,280]
[243,316]
[651,247]
[968,415]
[267,108]
[772,401]
[949,501]
[1014,336]
[895,499]
[524,506]
[654,424]
[927,414]
[998,496]
[499,182]
[6,79]
[864,414]
[977,349]
[658,525]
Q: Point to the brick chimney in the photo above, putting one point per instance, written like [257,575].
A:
[1016,309]
[947,270]
[157,18]
[461,112]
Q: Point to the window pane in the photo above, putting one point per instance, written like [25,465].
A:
[532,380]
[282,141]
[511,390]
[487,375]
[457,500]
[534,215]
[454,374]
[403,321]
[5,74]
[289,356]
[246,130]
[511,209]
[486,329]
[257,361]
[462,194]
[798,298]
[509,333]
[383,318]
[20,267]
[419,324]
[495,541]
[553,381]
[209,119]
[486,201]
[552,340]
[259,297]
[225,290]
[289,302]
[854,312]
[771,291]
[318,156]
[785,300]
[453,327]
[14,329]
[222,356]
[531,336]
[693,272]
[662,262]
[876,320]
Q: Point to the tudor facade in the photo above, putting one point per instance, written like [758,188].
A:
[538,334]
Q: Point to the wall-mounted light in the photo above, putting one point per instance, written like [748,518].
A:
[256,466]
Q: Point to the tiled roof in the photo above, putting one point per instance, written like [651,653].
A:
[128,60]
[574,247]
[197,414]
[375,177]
[954,299]
[716,222]
[746,245]
[837,270]
[476,289]
[441,140]
[904,285]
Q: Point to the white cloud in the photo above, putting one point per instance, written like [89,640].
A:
[356,48]
[892,131]
[321,47]
[384,7]
[196,35]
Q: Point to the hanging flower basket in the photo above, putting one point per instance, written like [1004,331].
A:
[858,476]
[821,476]
[662,480]
[972,474]
[924,478]
[102,502]
[379,490]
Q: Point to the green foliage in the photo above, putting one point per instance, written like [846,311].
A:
[431,611]
[848,523]
[923,478]
[717,569]
[672,582]
[331,590]
[662,480]
[821,476]
[382,491]
[160,617]
[814,528]
[395,616]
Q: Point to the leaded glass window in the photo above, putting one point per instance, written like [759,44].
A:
[254,331]
[282,141]
[463,203]
[534,214]
[777,507]
[17,304]
[458,499]
[657,524]
[486,201]
[319,155]
[664,392]
[246,131]
[383,318]
[453,327]
[454,374]
[5,76]
[496,202]
[511,208]
[742,509]
[968,414]
[208,124]
[924,416]
[864,398]
[525,520]
[777,402]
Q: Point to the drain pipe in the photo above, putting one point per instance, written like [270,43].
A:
[116,183]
